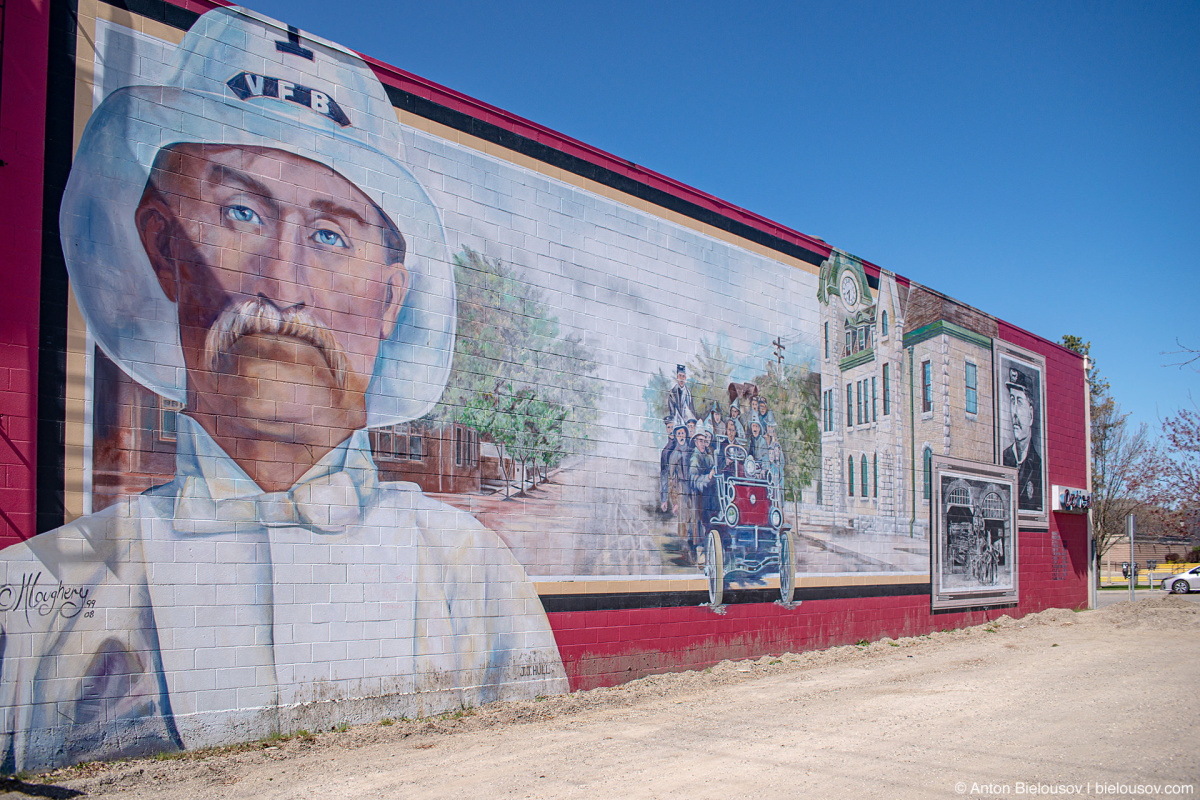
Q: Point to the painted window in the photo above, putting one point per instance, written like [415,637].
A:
[466,447]
[875,475]
[827,340]
[993,506]
[391,443]
[926,386]
[928,470]
[858,398]
[887,392]
[972,389]
[863,473]
[850,473]
[883,326]
[168,419]
[849,406]
[874,402]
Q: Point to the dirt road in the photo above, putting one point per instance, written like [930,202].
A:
[1096,703]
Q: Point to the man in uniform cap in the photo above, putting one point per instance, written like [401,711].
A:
[1022,453]
[243,239]
[679,398]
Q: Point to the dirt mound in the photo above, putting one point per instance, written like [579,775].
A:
[1166,613]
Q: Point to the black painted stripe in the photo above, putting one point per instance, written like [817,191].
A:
[50,508]
[159,11]
[634,600]
[464,122]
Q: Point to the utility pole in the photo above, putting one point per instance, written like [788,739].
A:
[1129,526]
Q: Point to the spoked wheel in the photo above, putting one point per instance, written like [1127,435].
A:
[787,567]
[1180,587]
[714,568]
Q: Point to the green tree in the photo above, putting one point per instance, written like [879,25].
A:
[793,393]
[489,413]
[510,348]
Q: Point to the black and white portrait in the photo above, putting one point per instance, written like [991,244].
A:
[974,522]
[1021,425]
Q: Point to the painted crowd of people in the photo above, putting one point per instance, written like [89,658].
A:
[698,449]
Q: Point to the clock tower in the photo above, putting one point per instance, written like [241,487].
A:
[862,439]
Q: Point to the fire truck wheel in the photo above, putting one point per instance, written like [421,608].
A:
[714,568]
[787,567]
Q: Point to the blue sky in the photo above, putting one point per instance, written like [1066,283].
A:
[1038,161]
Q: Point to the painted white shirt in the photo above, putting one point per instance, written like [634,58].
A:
[205,612]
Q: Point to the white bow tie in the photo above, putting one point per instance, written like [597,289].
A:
[325,504]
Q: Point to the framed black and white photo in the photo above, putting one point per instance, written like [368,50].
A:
[1021,427]
[973,521]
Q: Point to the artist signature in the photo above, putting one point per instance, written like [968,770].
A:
[62,600]
[536,669]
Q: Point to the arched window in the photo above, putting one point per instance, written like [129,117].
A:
[928,471]
[993,507]
[883,326]
[850,473]
[863,473]
[959,496]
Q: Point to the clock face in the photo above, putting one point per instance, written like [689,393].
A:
[849,290]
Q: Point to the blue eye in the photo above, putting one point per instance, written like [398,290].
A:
[329,238]
[243,214]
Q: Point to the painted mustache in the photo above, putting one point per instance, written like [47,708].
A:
[259,316]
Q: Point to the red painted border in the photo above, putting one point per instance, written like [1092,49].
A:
[22,148]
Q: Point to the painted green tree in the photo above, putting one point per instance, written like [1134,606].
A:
[516,377]
[793,393]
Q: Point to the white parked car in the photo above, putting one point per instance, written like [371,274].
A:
[1183,582]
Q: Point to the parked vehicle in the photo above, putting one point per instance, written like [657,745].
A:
[1183,582]
[747,538]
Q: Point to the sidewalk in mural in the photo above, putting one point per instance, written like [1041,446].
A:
[1053,698]
[571,526]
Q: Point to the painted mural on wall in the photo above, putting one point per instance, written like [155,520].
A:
[975,557]
[353,387]
[245,244]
